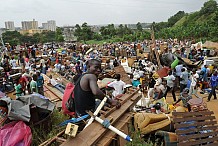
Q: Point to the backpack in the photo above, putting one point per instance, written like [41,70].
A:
[68,105]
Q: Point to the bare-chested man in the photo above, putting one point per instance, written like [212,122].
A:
[86,89]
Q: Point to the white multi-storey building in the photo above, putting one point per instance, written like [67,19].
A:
[51,25]
[9,25]
[27,25]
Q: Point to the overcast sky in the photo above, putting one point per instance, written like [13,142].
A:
[71,12]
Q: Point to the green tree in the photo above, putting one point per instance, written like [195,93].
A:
[84,32]
[78,32]
[172,20]
[139,26]
[37,37]
[97,36]
[87,33]
[120,30]
[59,35]
[209,7]
[11,37]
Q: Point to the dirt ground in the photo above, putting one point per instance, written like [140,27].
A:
[212,104]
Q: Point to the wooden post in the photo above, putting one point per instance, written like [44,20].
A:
[154,47]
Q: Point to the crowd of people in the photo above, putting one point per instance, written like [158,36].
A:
[76,64]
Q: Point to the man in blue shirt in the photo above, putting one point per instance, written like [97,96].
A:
[205,72]
[213,83]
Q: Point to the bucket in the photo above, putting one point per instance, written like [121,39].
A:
[175,63]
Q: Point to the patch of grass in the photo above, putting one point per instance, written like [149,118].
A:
[48,130]
[140,140]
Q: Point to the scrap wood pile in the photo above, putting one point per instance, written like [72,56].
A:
[110,74]
[96,134]
[179,127]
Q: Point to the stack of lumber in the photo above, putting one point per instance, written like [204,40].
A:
[96,134]
[109,74]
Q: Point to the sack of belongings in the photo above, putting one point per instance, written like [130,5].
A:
[15,134]
[25,106]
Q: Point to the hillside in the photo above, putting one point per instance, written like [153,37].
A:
[200,25]
[194,18]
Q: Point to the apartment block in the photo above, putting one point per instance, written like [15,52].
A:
[9,25]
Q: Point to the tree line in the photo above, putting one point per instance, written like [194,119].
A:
[200,25]
[120,33]
[15,38]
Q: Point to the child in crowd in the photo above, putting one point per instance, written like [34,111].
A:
[18,88]
[33,84]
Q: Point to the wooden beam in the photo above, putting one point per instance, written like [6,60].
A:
[95,131]
[109,136]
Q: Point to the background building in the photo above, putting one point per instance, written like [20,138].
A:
[27,25]
[9,25]
[50,25]
[45,26]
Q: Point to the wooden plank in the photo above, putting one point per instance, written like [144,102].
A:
[52,89]
[49,141]
[194,136]
[60,140]
[197,129]
[121,141]
[123,100]
[183,125]
[89,136]
[50,95]
[193,119]
[109,136]
[57,75]
[188,114]
[201,141]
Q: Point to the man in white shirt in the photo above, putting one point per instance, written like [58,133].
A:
[194,79]
[159,90]
[118,86]
[13,62]
[54,83]
[171,85]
